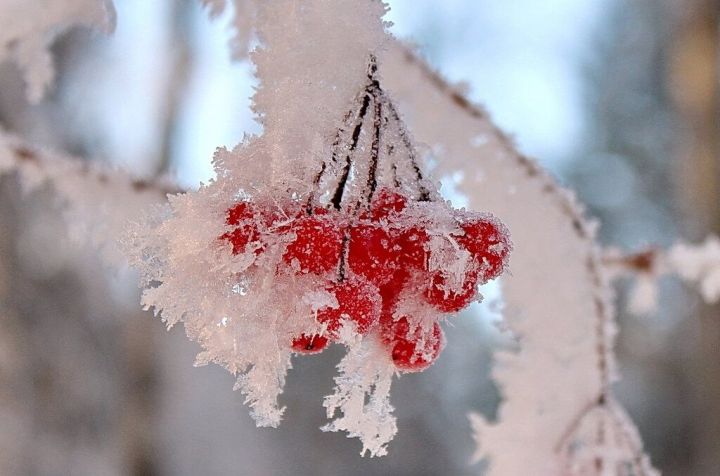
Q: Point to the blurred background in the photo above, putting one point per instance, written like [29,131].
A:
[617,98]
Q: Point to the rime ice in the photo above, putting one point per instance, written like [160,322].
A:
[324,229]
[556,301]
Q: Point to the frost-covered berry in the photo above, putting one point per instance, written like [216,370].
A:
[390,291]
[413,350]
[386,203]
[253,223]
[317,245]
[358,301]
[378,253]
[372,253]
[239,213]
[487,241]
[411,247]
[446,298]
[242,216]
[313,344]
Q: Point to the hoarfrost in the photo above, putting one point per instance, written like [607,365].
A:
[242,22]
[329,201]
[234,301]
[362,397]
[696,264]
[558,300]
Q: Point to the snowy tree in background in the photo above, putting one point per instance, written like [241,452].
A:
[330,227]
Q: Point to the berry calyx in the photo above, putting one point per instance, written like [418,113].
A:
[313,344]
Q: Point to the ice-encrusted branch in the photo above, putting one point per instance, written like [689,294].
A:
[96,201]
[696,264]
[558,299]
[603,440]
[27,30]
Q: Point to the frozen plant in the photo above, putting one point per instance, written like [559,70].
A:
[696,264]
[362,252]
[230,261]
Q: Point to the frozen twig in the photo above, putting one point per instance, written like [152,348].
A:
[696,264]
[97,202]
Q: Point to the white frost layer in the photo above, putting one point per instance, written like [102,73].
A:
[362,397]
[242,23]
[312,63]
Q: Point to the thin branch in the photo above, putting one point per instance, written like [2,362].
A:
[643,261]
[23,156]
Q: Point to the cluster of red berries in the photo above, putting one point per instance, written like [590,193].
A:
[374,259]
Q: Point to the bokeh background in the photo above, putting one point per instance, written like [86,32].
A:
[617,98]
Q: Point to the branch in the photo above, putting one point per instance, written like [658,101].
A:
[696,264]
[96,201]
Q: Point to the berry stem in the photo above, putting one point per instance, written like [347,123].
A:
[340,190]
[371,184]
[424,193]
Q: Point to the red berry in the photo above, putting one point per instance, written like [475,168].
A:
[359,301]
[487,241]
[386,322]
[390,291]
[317,245]
[252,222]
[242,216]
[386,203]
[238,213]
[446,299]
[309,344]
[413,350]
[411,246]
[371,253]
